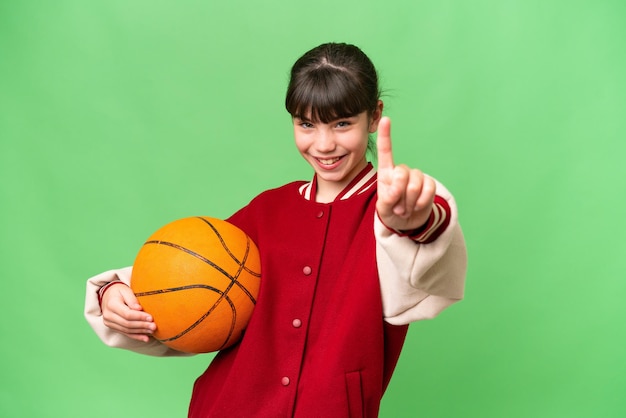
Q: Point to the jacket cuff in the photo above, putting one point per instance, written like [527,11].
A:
[106,287]
[437,223]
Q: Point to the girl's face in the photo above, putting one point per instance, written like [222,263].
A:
[335,150]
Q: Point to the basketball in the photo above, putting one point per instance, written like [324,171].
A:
[199,278]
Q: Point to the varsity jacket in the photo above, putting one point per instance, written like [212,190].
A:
[338,289]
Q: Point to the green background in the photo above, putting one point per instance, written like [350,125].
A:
[119,116]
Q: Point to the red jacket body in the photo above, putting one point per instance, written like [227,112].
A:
[316,345]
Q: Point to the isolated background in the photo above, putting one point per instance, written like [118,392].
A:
[119,116]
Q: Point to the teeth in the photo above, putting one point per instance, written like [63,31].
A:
[329,161]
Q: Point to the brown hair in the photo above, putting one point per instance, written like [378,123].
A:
[332,81]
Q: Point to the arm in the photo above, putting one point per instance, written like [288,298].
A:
[420,249]
[420,279]
[95,317]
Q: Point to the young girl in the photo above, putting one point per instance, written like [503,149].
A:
[349,259]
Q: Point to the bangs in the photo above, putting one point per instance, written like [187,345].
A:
[326,94]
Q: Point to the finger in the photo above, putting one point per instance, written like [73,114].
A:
[131,315]
[127,324]
[118,316]
[122,301]
[139,337]
[398,187]
[413,190]
[427,194]
[383,144]
[129,331]
[129,298]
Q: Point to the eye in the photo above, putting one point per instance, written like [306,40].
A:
[302,123]
[343,124]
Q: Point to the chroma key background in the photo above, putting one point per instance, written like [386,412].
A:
[117,117]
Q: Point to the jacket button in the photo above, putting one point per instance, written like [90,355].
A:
[296,323]
[320,214]
[285,381]
[307,270]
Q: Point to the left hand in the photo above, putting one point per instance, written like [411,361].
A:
[405,195]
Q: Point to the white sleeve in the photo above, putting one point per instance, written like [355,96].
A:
[93,314]
[417,280]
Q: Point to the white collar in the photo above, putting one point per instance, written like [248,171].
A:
[360,184]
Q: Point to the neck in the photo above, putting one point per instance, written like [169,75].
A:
[326,191]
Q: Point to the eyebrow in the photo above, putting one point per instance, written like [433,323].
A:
[303,119]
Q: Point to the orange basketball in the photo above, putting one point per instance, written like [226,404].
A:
[199,278]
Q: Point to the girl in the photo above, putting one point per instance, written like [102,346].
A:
[349,259]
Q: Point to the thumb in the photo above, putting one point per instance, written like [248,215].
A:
[129,298]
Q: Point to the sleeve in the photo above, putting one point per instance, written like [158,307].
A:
[93,314]
[420,278]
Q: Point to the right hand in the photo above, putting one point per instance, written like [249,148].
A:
[122,312]
[405,194]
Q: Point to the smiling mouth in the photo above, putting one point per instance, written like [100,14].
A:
[328,161]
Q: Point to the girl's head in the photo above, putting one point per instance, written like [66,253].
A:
[333,98]
[333,81]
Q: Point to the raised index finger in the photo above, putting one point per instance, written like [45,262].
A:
[383,144]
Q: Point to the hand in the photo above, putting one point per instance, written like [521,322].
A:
[405,195]
[122,312]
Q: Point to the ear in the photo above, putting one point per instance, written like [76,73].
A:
[375,117]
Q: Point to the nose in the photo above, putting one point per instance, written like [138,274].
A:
[325,141]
